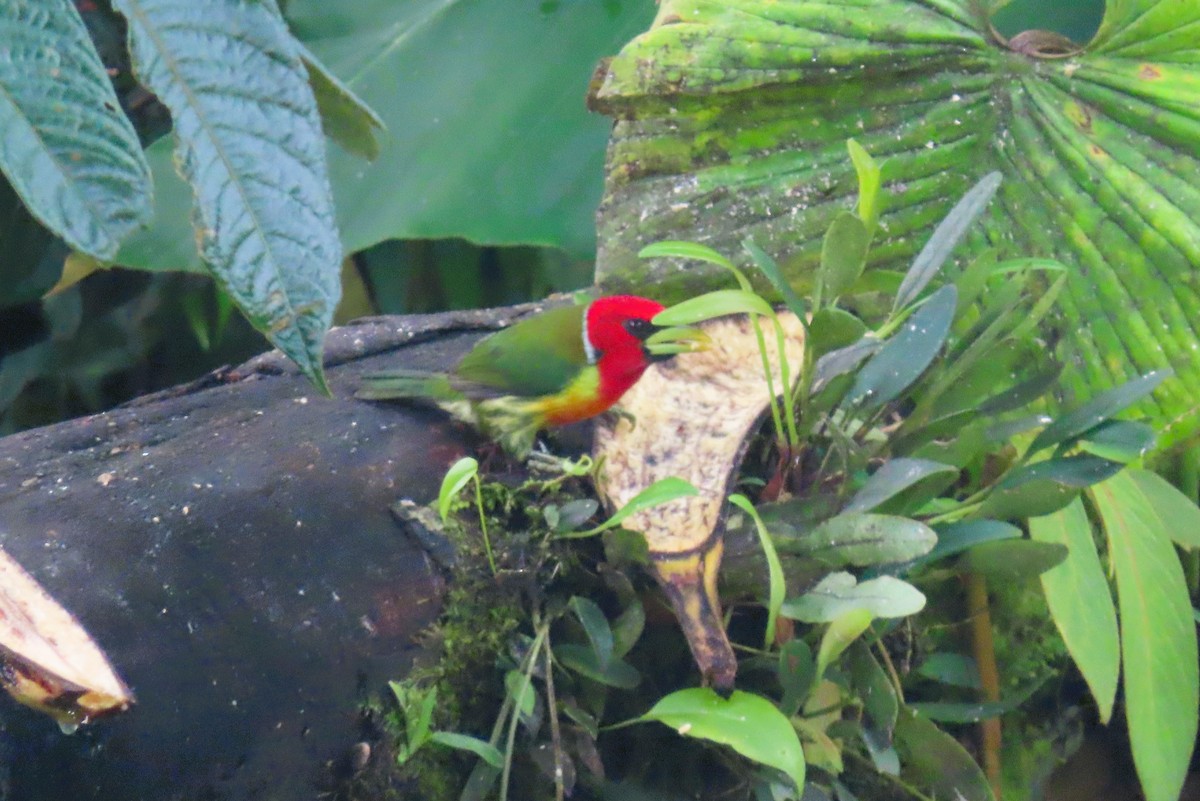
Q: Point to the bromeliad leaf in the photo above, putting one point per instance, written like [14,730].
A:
[905,356]
[1097,410]
[912,481]
[748,724]
[65,147]
[860,539]
[263,208]
[945,238]
[1080,602]
[838,593]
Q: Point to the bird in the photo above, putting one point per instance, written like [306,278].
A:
[561,366]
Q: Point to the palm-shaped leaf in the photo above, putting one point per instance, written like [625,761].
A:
[733,116]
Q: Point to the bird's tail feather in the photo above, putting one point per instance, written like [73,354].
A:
[396,384]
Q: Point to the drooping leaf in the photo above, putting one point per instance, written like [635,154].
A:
[905,356]
[453,482]
[842,631]
[718,303]
[949,232]
[933,759]
[65,146]
[859,539]
[838,593]
[1080,603]
[1178,514]
[733,118]
[776,586]
[465,742]
[748,724]
[450,166]
[661,491]
[1158,637]
[263,207]
[902,475]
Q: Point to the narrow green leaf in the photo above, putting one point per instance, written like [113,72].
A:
[842,631]
[1158,637]
[713,304]
[776,585]
[860,540]
[520,690]
[1119,440]
[465,742]
[945,238]
[455,479]
[1080,602]
[897,476]
[685,250]
[1014,560]
[617,673]
[345,117]
[973,712]
[66,148]
[933,759]
[770,269]
[1178,514]
[832,328]
[1044,487]
[1023,393]
[263,212]
[661,491]
[838,593]
[748,724]
[841,361]
[869,179]
[1097,410]
[595,625]
[905,356]
[843,256]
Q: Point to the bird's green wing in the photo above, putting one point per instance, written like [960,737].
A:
[537,356]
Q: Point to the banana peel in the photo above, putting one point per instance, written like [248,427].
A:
[694,417]
[47,660]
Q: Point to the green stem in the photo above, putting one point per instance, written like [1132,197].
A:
[487,540]
[526,681]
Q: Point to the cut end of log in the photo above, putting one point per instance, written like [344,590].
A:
[692,418]
[47,660]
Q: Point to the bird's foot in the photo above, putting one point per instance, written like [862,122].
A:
[541,461]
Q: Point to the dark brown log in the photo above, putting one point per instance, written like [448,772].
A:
[229,545]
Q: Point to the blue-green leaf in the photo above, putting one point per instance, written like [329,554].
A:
[1097,410]
[898,476]
[905,356]
[945,238]
[263,209]
[65,146]
[595,625]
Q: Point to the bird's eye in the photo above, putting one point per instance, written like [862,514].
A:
[639,328]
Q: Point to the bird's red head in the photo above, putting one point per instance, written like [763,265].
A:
[614,334]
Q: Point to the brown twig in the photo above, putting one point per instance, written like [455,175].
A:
[983,648]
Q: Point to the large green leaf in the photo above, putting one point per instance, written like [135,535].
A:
[1080,603]
[732,122]
[484,140]
[249,142]
[65,146]
[1158,637]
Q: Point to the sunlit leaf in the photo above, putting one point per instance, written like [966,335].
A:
[453,482]
[1158,637]
[838,593]
[713,304]
[1080,602]
[748,724]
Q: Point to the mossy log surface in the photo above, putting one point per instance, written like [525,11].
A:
[228,544]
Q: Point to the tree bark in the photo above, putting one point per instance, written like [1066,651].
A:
[228,544]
